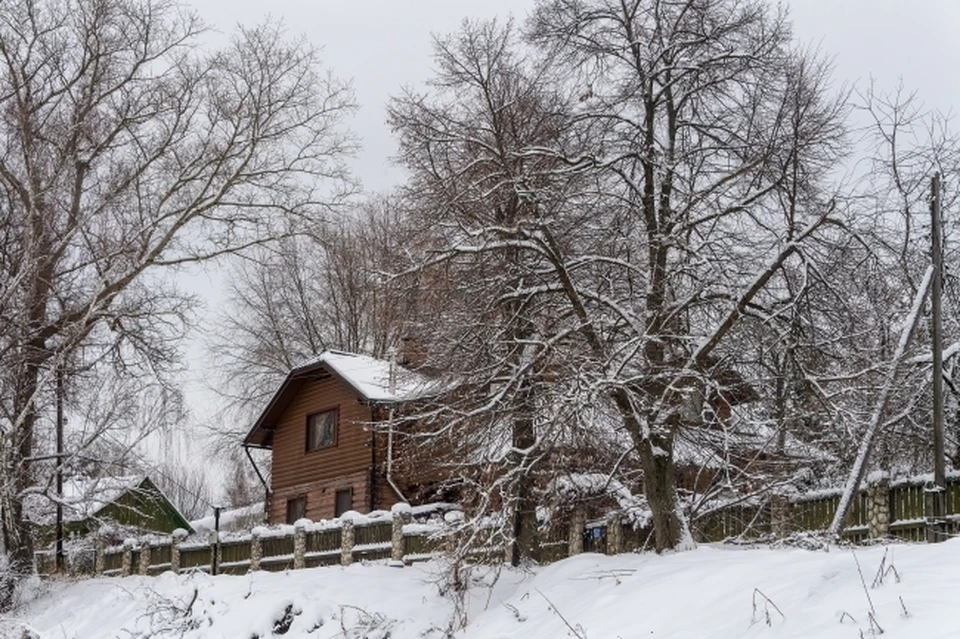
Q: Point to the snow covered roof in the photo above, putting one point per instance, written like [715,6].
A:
[86,496]
[83,497]
[371,377]
[709,447]
[373,380]
[132,500]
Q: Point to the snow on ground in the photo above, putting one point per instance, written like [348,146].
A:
[374,601]
[711,592]
[721,592]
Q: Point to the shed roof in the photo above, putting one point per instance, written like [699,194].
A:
[85,498]
[82,497]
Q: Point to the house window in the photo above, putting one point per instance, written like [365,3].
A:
[344,502]
[322,430]
[296,509]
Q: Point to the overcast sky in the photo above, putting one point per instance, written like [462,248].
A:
[383,45]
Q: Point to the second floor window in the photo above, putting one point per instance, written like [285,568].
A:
[322,430]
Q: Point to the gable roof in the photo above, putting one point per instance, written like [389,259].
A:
[82,497]
[86,496]
[368,377]
[132,500]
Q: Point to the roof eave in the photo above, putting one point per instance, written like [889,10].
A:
[260,424]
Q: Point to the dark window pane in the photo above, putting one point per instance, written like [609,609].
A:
[344,501]
[321,430]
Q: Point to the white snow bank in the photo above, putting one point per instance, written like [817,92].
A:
[714,591]
[720,592]
[372,601]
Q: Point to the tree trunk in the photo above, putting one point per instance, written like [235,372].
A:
[659,479]
[17,541]
[526,540]
[660,487]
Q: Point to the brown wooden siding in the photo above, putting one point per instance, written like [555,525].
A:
[415,465]
[293,466]
[318,474]
[321,497]
[384,496]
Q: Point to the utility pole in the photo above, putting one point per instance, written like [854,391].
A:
[215,543]
[938,491]
[59,533]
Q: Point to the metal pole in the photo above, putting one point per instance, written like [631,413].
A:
[939,468]
[59,554]
[266,487]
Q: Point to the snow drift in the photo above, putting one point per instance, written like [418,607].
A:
[714,591]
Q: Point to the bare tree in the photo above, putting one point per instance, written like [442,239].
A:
[477,193]
[328,289]
[125,149]
[708,133]
[911,145]
[189,488]
[604,245]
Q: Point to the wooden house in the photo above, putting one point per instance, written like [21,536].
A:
[339,442]
[329,427]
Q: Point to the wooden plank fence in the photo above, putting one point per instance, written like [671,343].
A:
[396,538]
[900,509]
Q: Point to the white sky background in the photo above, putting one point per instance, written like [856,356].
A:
[384,45]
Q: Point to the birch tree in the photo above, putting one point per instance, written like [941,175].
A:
[125,150]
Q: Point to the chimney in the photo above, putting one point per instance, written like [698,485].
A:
[412,352]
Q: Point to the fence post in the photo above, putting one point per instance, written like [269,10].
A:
[936,524]
[401,516]
[256,548]
[878,505]
[216,557]
[99,558]
[299,544]
[577,522]
[614,535]
[346,541]
[780,515]
[126,563]
[175,538]
[144,566]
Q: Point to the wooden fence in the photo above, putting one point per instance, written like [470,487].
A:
[900,509]
[307,546]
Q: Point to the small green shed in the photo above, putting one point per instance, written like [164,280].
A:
[132,502]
